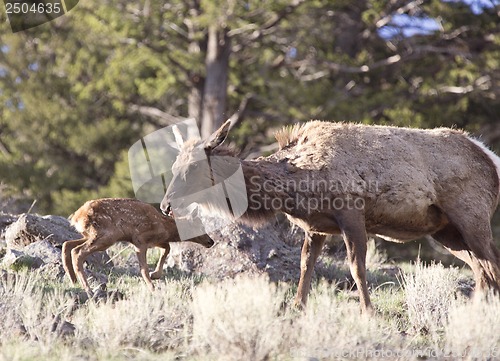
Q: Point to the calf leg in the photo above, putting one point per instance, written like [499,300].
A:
[141,256]
[311,249]
[158,272]
[80,253]
[66,257]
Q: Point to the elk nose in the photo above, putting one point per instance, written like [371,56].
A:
[167,210]
[210,242]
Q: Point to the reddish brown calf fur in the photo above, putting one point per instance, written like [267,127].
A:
[104,222]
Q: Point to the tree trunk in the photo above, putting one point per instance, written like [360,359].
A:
[195,98]
[215,91]
[196,80]
[349,32]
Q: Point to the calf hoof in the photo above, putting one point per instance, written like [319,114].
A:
[156,275]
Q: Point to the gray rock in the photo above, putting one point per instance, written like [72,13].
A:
[43,250]
[15,259]
[53,270]
[44,237]
[62,328]
[6,220]
[29,228]
[240,249]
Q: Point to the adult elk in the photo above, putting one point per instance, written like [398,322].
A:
[354,180]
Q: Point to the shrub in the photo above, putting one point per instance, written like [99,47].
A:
[238,319]
[430,292]
[334,329]
[472,331]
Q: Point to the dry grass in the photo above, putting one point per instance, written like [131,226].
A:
[142,320]
[472,331]
[246,318]
[238,319]
[374,256]
[429,294]
[335,329]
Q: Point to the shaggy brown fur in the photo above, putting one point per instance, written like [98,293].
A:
[104,222]
[354,180]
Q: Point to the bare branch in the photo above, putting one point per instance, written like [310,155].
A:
[237,117]
[346,68]
[364,68]
[413,53]
[178,29]
[243,29]
[317,75]
[455,89]
[456,33]
[263,149]
[4,150]
[434,49]
[275,20]
[403,9]
[482,83]
[155,113]
[282,15]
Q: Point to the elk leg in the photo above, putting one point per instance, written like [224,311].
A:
[67,247]
[476,248]
[485,255]
[141,256]
[311,249]
[353,230]
[158,272]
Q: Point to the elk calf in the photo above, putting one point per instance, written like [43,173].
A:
[103,222]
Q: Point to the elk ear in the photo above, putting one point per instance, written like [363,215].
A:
[218,136]
[177,136]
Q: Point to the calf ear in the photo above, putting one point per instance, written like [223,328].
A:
[218,136]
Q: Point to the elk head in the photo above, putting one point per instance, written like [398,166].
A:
[193,172]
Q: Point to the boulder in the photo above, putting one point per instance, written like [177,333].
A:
[6,220]
[26,233]
[44,250]
[16,260]
[240,249]
[35,242]
[29,228]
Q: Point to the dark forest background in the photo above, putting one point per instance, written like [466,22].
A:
[77,92]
